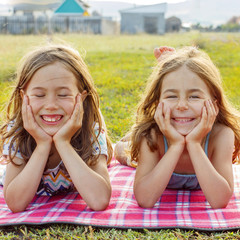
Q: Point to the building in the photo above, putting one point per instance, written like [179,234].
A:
[173,24]
[144,19]
[73,7]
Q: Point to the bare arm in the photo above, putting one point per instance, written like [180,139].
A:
[93,184]
[153,175]
[215,177]
[21,182]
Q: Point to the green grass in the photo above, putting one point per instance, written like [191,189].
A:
[120,66]
[65,232]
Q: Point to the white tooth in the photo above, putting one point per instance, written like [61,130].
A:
[49,119]
[183,120]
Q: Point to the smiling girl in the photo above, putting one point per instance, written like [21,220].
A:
[53,139]
[186,133]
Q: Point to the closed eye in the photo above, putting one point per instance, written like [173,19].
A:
[62,95]
[194,97]
[39,95]
[171,96]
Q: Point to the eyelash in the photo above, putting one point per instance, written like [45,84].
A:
[60,95]
[195,97]
[172,96]
[191,97]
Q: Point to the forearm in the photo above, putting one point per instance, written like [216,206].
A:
[93,188]
[21,189]
[215,187]
[149,188]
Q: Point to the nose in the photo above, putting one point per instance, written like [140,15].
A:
[182,105]
[51,103]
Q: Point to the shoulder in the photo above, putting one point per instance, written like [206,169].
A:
[221,131]
[152,144]
[221,139]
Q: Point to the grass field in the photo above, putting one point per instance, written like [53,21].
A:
[120,66]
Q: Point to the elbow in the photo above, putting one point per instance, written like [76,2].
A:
[16,209]
[218,205]
[144,204]
[15,205]
[144,201]
[100,203]
[222,202]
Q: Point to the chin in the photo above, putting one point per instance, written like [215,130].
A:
[184,132]
[51,132]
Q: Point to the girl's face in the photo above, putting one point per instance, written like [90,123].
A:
[184,92]
[52,95]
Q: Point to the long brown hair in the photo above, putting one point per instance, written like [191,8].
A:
[84,138]
[198,62]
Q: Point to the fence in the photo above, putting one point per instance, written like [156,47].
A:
[63,24]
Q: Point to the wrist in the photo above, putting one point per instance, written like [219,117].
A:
[44,145]
[193,145]
[177,147]
[61,143]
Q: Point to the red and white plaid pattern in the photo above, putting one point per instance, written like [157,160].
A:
[175,209]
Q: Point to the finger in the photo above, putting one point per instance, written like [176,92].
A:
[204,120]
[216,106]
[77,112]
[210,111]
[167,116]
[25,111]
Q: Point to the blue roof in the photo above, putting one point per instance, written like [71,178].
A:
[69,7]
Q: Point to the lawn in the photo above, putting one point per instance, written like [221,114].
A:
[120,66]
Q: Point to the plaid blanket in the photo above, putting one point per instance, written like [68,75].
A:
[175,209]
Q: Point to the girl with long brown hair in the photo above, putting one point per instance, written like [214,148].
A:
[54,138]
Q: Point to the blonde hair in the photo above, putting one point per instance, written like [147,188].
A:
[199,63]
[84,138]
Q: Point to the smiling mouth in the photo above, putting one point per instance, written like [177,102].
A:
[183,120]
[52,118]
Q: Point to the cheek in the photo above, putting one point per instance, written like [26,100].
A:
[68,106]
[167,104]
[198,106]
[36,104]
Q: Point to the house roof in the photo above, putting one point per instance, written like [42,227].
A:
[70,7]
[156,8]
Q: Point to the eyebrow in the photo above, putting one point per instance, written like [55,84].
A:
[190,90]
[58,88]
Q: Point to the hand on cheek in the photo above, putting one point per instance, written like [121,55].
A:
[30,124]
[209,113]
[163,119]
[74,123]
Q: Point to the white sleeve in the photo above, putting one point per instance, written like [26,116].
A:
[102,142]
[6,146]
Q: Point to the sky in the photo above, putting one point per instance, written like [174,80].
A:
[143,2]
[139,2]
